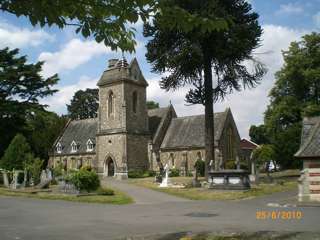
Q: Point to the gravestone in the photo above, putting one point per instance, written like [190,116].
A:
[5,179]
[165,180]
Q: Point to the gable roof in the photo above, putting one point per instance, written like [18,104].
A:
[159,121]
[156,117]
[79,131]
[185,132]
[310,138]
[247,144]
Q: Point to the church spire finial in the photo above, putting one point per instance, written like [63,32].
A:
[123,62]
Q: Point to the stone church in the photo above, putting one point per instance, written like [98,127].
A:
[126,135]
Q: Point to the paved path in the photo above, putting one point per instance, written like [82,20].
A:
[23,218]
[142,195]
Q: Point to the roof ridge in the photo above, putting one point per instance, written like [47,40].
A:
[198,115]
[84,120]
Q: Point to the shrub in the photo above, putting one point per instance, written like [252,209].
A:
[230,164]
[149,173]
[88,168]
[58,170]
[105,191]
[84,180]
[174,173]
[54,182]
[135,174]
[200,167]
[141,174]
[35,168]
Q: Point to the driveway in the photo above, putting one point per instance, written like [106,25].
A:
[23,218]
[141,195]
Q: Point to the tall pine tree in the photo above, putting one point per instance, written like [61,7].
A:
[197,57]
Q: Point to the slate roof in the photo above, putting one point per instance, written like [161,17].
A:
[79,131]
[247,144]
[310,138]
[185,132]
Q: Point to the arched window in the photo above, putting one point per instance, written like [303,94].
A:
[230,144]
[134,101]
[110,104]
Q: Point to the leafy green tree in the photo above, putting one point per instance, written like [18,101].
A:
[42,129]
[263,155]
[152,105]
[17,155]
[84,104]
[259,134]
[296,94]
[104,20]
[21,87]
[197,56]
[108,21]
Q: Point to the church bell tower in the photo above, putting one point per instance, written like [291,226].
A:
[122,133]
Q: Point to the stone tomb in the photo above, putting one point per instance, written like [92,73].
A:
[229,180]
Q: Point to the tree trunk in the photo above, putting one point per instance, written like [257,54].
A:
[209,119]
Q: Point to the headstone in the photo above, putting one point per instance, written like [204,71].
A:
[49,174]
[5,179]
[25,178]
[165,180]
[43,176]
[238,163]
[14,182]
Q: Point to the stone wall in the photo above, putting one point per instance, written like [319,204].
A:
[137,152]
[115,121]
[73,160]
[136,121]
[112,146]
[181,159]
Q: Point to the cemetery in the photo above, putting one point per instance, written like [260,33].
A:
[56,184]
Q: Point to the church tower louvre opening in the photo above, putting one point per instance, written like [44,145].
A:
[122,133]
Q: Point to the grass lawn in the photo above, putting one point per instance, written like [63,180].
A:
[251,236]
[117,198]
[209,194]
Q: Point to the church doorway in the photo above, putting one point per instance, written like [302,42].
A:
[109,168]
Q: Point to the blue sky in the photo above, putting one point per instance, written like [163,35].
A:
[80,62]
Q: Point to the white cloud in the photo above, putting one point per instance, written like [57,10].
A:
[72,55]
[290,8]
[247,106]
[316,19]
[58,101]
[14,37]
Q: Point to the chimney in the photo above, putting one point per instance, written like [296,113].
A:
[112,62]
